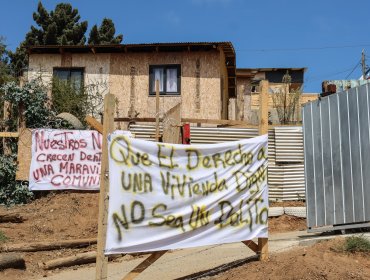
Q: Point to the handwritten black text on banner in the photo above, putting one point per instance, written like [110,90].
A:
[167,196]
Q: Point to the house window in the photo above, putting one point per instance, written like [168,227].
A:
[168,77]
[74,76]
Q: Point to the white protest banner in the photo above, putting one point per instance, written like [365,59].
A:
[65,159]
[169,196]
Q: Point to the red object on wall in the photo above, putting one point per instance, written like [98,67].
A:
[185,133]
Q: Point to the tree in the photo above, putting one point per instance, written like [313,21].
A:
[286,101]
[59,27]
[105,34]
[4,67]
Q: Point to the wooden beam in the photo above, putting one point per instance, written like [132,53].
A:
[108,126]
[171,125]
[24,155]
[144,265]
[81,258]
[9,134]
[263,249]
[221,122]
[263,108]
[251,244]
[7,115]
[128,119]
[190,120]
[94,124]
[12,261]
[47,245]
[263,129]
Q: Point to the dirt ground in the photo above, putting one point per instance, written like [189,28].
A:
[318,262]
[58,216]
[73,215]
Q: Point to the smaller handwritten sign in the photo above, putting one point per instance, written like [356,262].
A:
[65,159]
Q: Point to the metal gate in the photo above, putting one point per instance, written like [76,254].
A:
[337,160]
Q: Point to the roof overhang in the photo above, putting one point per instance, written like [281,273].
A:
[122,48]
[251,72]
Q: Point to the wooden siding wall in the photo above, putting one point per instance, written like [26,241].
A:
[96,67]
[127,76]
[200,83]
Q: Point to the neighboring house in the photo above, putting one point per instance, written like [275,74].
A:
[333,86]
[202,76]
[245,105]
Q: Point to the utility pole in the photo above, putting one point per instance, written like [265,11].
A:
[363,64]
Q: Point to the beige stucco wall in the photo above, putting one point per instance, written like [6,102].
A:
[126,75]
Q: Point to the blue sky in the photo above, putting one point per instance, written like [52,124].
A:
[326,36]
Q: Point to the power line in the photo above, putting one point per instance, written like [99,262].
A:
[319,77]
[304,49]
[354,68]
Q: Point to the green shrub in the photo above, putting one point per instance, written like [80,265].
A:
[12,191]
[357,244]
[3,237]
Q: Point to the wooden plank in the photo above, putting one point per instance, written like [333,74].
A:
[263,249]
[190,120]
[47,245]
[263,129]
[7,115]
[157,110]
[12,261]
[6,134]
[24,154]
[94,124]
[128,119]
[251,244]
[263,108]
[171,125]
[221,122]
[144,265]
[15,217]
[81,258]
[108,126]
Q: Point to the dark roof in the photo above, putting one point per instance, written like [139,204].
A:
[273,75]
[146,47]
[253,71]
[227,48]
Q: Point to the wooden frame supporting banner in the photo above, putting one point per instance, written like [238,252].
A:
[261,247]
[108,127]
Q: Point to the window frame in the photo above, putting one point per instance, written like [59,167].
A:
[165,67]
[71,69]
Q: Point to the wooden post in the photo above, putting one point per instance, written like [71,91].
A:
[263,125]
[157,110]
[108,126]
[7,115]
[171,125]
[263,249]
[263,129]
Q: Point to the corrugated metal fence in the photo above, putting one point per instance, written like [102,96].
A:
[286,169]
[337,159]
